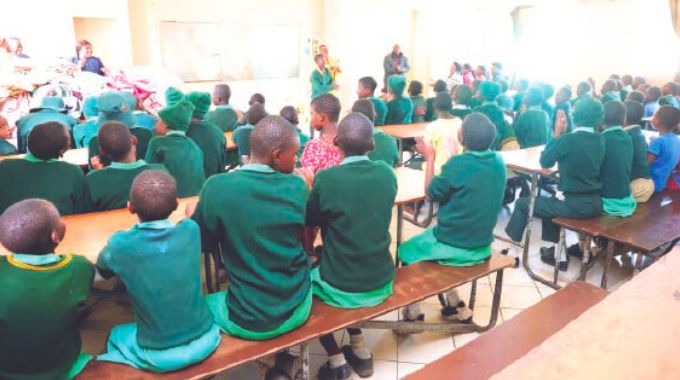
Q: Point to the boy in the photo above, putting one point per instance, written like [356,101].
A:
[41,175]
[637,96]
[470,193]
[579,155]
[365,90]
[488,92]
[618,160]
[322,79]
[533,125]
[40,295]
[664,151]
[430,113]
[641,185]
[583,90]
[290,114]
[563,106]
[356,268]
[610,92]
[442,133]
[652,96]
[399,108]
[223,116]
[242,134]
[321,153]
[110,186]
[206,135]
[177,152]
[548,92]
[160,264]
[415,92]
[51,109]
[385,149]
[268,271]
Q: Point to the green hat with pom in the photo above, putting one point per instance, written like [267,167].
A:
[489,90]
[588,112]
[397,84]
[173,96]
[201,102]
[177,116]
[90,107]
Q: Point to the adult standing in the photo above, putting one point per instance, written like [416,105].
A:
[395,63]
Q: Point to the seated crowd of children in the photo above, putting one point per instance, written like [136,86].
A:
[296,186]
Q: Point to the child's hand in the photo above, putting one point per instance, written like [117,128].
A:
[189,210]
[96,162]
[425,148]
[307,175]
[560,124]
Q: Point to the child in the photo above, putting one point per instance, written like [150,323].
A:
[41,293]
[177,152]
[86,61]
[641,185]
[583,90]
[256,98]
[637,96]
[290,113]
[268,271]
[488,92]
[206,135]
[386,148]
[142,119]
[356,268]
[548,92]
[41,175]
[669,100]
[415,91]
[442,133]
[618,160]
[51,109]
[430,113]
[462,96]
[481,74]
[160,264]
[610,92]
[110,186]
[470,193]
[242,134]
[6,148]
[322,153]
[652,96]
[533,125]
[563,107]
[399,108]
[664,151]
[521,88]
[468,74]
[579,156]
[365,90]
[83,132]
[322,79]
[224,116]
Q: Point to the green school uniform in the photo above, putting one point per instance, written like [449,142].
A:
[615,173]
[58,182]
[380,110]
[212,142]
[579,155]
[26,124]
[258,229]
[532,128]
[82,133]
[6,148]
[461,111]
[183,159]
[504,132]
[224,117]
[356,252]
[110,186]
[386,149]
[399,111]
[304,139]
[242,139]
[470,194]
[419,109]
[145,120]
[322,82]
[39,300]
[430,113]
[549,108]
[640,166]
[143,138]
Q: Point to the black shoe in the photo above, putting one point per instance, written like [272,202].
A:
[275,374]
[363,367]
[575,251]
[340,373]
[459,313]
[548,257]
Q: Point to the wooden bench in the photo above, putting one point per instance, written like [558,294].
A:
[493,351]
[412,284]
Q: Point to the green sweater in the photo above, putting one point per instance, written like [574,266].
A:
[304,139]
[430,113]
[143,138]
[355,229]
[470,195]
[618,160]
[380,110]
[258,231]
[532,128]
[110,186]
[460,112]
[183,159]
[580,155]
[640,166]
[160,265]
[399,111]
[39,301]
[385,148]
[6,148]
[241,138]
[497,117]
[322,83]
[26,124]
[58,182]
[224,117]
[212,142]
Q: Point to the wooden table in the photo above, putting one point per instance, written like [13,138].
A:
[231,145]
[500,347]
[72,156]
[404,131]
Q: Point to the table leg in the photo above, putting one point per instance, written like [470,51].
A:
[586,257]
[304,357]
[400,144]
[607,262]
[400,232]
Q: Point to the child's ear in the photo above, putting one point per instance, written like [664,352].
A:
[130,208]
[133,140]
[275,157]
[336,141]
[58,233]
[371,146]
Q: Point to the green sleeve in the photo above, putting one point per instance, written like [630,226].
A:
[207,220]
[104,266]
[151,156]
[318,84]
[83,199]
[440,188]
[552,153]
[313,213]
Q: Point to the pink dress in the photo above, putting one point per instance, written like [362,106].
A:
[319,155]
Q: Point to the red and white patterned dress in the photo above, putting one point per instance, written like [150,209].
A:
[319,155]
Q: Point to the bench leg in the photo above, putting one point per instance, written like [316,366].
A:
[473,295]
[304,357]
[607,262]
[558,254]
[400,232]
[587,241]
[207,263]
[495,304]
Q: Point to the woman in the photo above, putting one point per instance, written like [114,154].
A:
[86,61]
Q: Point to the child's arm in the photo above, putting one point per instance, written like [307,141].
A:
[651,157]
[427,150]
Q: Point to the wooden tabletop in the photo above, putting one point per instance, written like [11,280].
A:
[500,347]
[525,160]
[405,131]
[72,156]
[231,145]
[411,185]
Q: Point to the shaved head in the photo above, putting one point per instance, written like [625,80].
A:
[27,227]
[153,195]
[270,134]
[355,134]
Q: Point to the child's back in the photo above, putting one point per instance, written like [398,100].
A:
[665,149]
[206,135]
[617,163]
[400,108]
[532,128]
[380,110]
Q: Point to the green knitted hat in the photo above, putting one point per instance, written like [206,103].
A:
[90,107]
[178,116]
[173,96]
[130,100]
[588,112]
[397,84]
[113,107]
[201,102]
[505,102]
[489,90]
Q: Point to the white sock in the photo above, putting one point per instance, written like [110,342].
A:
[452,297]
[359,347]
[337,360]
[412,311]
